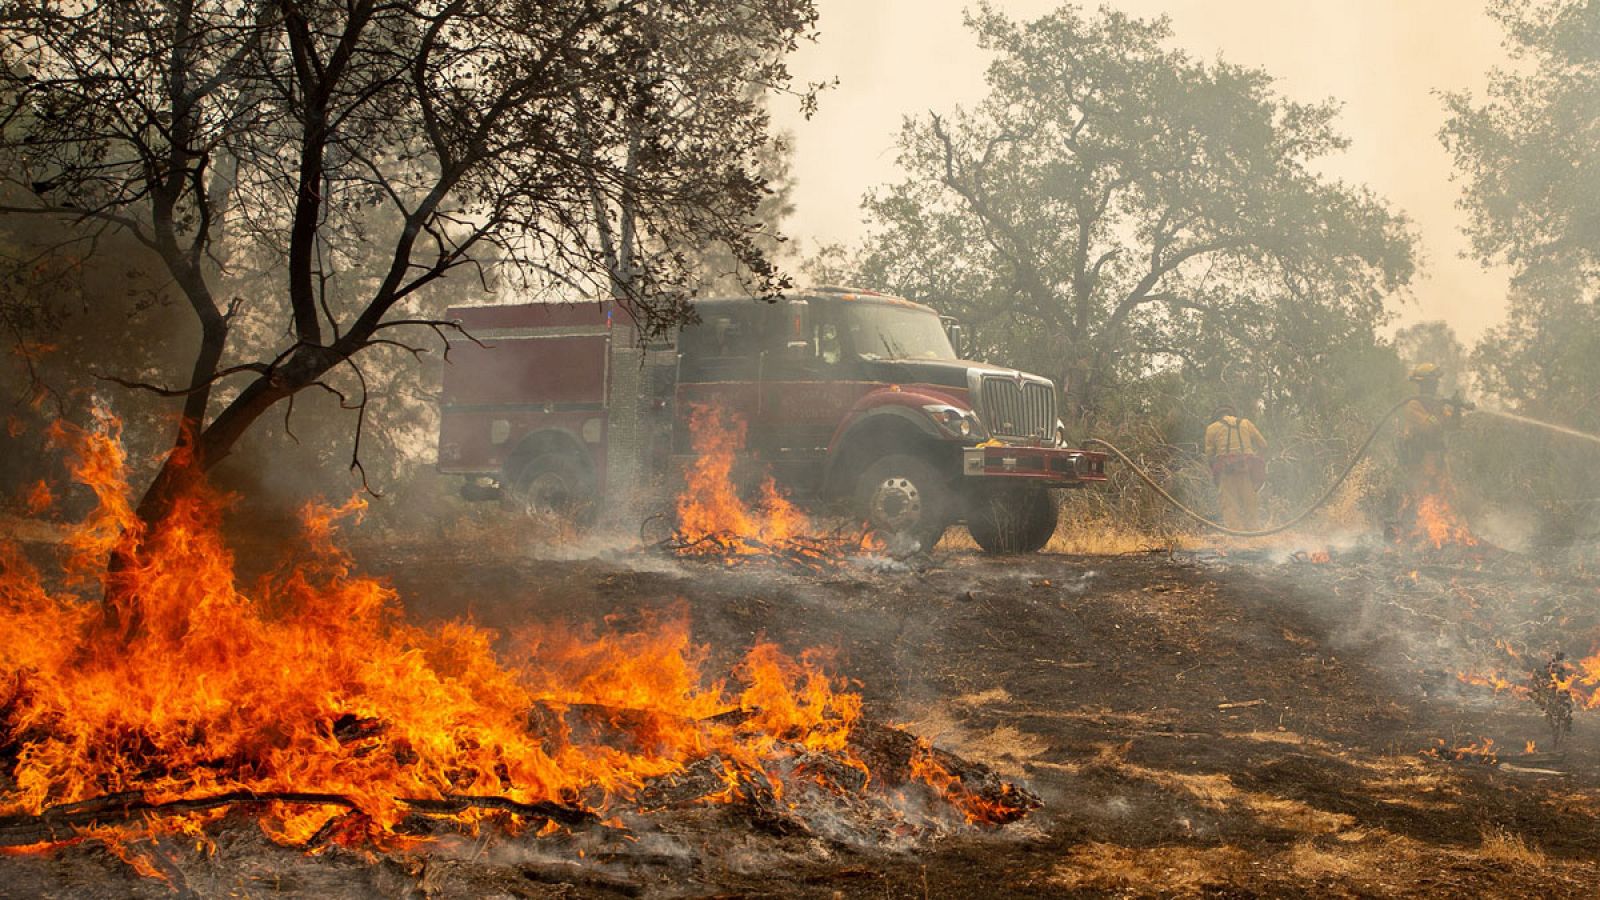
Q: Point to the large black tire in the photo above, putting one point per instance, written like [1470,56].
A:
[1012,520]
[554,483]
[906,501]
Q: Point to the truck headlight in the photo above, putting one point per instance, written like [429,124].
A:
[954,420]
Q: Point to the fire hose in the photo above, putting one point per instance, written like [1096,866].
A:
[1327,495]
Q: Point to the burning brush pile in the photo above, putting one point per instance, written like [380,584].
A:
[715,522]
[306,705]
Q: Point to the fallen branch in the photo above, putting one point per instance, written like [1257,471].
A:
[60,823]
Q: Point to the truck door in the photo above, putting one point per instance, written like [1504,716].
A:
[719,364]
[807,387]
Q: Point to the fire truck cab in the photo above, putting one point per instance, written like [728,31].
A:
[851,399]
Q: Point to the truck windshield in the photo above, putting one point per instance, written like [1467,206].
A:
[891,332]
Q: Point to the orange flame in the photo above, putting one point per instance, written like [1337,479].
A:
[978,810]
[714,521]
[1578,679]
[1495,681]
[710,506]
[1438,523]
[1481,751]
[39,498]
[1582,681]
[312,682]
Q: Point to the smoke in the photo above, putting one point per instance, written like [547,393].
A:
[1510,529]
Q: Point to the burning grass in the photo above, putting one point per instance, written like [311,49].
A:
[1481,751]
[308,699]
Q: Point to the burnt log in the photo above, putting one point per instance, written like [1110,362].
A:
[62,822]
[618,727]
[698,781]
[898,757]
[707,782]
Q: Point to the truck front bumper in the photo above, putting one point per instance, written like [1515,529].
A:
[1046,466]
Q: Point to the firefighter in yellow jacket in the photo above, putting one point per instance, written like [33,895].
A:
[1234,447]
[1419,444]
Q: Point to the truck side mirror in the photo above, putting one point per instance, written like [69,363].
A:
[797,329]
[957,335]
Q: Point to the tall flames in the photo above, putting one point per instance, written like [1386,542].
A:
[715,521]
[710,510]
[309,691]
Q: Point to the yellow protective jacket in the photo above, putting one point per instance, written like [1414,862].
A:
[1423,422]
[1230,435]
[1233,447]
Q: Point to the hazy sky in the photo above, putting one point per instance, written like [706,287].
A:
[1384,59]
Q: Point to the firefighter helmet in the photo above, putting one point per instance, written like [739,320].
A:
[1425,372]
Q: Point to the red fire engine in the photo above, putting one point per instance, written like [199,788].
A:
[851,398]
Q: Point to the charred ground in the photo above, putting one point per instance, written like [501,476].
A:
[1195,723]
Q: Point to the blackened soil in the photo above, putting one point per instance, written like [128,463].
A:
[1194,726]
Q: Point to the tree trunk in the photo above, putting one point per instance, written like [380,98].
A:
[196,450]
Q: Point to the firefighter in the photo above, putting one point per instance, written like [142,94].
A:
[1234,449]
[1419,440]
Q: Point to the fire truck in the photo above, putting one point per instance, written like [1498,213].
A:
[851,399]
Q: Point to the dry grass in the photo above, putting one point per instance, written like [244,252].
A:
[1006,748]
[1510,849]
[1107,537]
[1347,508]
[1293,815]
[1217,792]
[1308,860]
[1360,863]
[1102,538]
[985,698]
[1169,871]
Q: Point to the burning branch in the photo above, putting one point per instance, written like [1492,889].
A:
[1550,687]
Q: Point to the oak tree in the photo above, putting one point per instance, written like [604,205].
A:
[1528,150]
[1116,207]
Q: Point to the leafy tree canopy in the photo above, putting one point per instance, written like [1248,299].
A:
[1116,207]
[1528,151]
[353,154]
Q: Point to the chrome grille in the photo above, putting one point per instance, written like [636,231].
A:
[1025,410]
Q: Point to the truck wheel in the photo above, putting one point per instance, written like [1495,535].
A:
[904,499]
[1012,521]
[552,484]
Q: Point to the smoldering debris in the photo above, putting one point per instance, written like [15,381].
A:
[1473,622]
